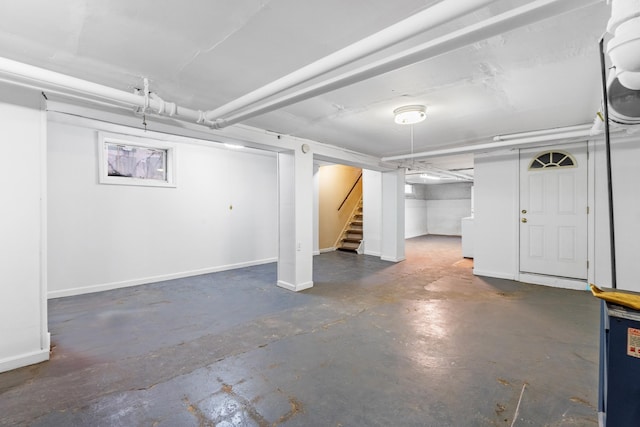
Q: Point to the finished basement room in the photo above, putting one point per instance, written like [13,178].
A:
[295,213]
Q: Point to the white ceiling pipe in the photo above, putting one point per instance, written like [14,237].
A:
[438,14]
[40,77]
[492,145]
[441,173]
[451,173]
[516,18]
[47,80]
[541,132]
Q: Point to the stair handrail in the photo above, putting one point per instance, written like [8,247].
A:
[350,191]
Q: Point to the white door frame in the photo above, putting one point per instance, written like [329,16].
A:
[555,281]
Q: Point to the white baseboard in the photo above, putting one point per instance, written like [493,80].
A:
[331,249]
[26,359]
[392,259]
[295,288]
[372,253]
[555,282]
[152,279]
[493,274]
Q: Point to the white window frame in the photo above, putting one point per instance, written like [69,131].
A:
[104,139]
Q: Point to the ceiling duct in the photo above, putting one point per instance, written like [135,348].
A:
[623,85]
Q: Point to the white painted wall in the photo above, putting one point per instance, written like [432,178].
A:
[444,217]
[372,211]
[23,311]
[415,218]
[447,204]
[625,159]
[108,236]
[437,209]
[496,214]
[496,206]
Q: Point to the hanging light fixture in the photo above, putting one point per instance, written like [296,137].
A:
[410,114]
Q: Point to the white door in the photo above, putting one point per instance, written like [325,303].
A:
[553,211]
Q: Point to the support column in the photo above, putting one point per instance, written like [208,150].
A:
[24,333]
[372,210]
[392,245]
[295,218]
[316,209]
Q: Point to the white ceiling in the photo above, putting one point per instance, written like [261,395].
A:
[204,53]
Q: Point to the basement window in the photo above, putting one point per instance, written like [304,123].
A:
[552,159]
[128,160]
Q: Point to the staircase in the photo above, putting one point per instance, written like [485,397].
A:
[352,235]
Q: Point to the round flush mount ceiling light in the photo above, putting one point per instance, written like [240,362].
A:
[410,114]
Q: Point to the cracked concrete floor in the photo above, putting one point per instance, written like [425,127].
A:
[418,343]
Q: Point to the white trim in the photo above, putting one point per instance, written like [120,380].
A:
[493,274]
[105,138]
[45,338]
[315,253]
[392,259]
[128,130]
[591,217]
[259,139]
[325,250]
[295,288]
[26,359]
[555,282]
[516,218]
[372,253]
[154,279]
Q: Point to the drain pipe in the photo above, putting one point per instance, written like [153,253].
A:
[40,78]
[462,176]
[496,145]
[445,174]
[438,14]
[516,18]
[51,81]
[541,132]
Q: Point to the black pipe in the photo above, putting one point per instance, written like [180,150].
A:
[607,144]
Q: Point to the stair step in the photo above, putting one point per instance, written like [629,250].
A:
[351,240]
[350,245]
[354,233]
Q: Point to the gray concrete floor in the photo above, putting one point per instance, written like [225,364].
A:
[418,343]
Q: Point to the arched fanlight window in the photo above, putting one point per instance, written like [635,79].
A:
[552,159]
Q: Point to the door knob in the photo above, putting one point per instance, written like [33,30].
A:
[524,220]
